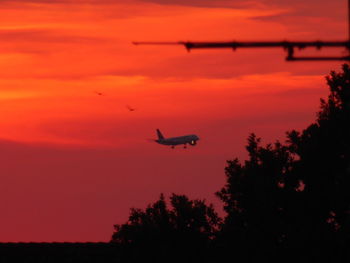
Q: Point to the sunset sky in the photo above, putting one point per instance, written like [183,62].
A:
[73,162]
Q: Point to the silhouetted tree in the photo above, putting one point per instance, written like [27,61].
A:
[183,231]
[254,201]
[294,198]
[323,167]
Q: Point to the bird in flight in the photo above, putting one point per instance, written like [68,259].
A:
[99,93]
[130,108]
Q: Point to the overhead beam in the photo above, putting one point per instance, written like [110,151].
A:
[289,46]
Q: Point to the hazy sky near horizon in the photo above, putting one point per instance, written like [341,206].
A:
[73,162]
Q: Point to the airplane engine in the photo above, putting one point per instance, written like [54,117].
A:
[193,143]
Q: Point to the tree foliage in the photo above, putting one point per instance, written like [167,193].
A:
[185,228]
[295,196]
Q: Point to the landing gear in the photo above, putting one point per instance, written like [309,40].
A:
[172,147]
[185,146]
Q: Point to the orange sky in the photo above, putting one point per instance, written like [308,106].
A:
[74,162]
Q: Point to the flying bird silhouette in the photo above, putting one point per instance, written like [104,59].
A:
[130,108]
[99,93]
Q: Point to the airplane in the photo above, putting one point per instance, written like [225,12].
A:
[187,139]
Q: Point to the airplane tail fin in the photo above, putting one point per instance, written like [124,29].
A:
[160,135]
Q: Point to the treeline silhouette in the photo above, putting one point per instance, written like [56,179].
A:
[60,252]
[289,201]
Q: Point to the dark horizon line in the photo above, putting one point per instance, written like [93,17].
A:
[54,242]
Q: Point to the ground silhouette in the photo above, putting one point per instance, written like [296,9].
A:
[288,201]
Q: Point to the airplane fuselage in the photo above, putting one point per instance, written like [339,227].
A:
[187,139]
